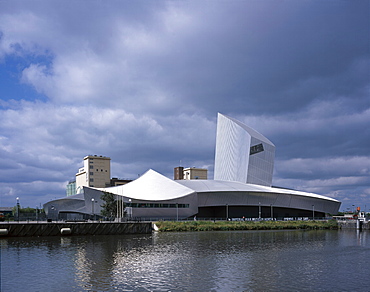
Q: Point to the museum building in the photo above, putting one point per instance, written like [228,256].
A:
[242,187]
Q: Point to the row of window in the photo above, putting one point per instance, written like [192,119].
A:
[148,205]
[92,167]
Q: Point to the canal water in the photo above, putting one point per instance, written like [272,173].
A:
[189,261]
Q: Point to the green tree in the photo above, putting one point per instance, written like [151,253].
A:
[109,208]
[24,210]
[27,210]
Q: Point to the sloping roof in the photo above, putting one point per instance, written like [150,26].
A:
[250,131]
[220,185]
[151,186]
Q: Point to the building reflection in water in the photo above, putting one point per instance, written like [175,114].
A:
[193,261]
[189,261]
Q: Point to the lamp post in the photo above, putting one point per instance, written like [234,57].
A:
[123,208]
[120,210]
[17,208]
[259,210]
[272,214]
[129,200]
[92,207]
[227,212]
[313,212]
[117,204]
[177,211]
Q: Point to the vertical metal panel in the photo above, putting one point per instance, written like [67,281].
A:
[233,161]
[232,151]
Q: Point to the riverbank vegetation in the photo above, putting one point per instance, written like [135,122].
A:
[177,226]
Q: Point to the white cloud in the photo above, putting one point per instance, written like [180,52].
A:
[46,141]
[327,166]
[143,82]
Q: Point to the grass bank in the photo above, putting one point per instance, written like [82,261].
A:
[176,226]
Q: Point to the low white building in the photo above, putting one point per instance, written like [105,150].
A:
[154,196]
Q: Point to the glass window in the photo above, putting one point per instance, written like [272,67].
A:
[156,205]
[256,149]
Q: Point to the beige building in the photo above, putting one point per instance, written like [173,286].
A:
[114,181]
[195,173]
[94,173]
[181,173]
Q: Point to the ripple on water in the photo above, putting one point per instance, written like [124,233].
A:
[198,261]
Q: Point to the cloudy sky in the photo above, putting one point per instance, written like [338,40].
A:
[142,82]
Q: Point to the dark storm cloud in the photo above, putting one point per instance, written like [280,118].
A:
[269,57]
[142,82]
[293,55]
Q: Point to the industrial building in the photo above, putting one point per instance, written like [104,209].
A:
[94,173]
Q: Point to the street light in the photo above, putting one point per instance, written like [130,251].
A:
[117,204]
[272,216]
[227,212]
[123,207]
[92,203]
[17,208]
[259,210]
[313,212]
[130,202]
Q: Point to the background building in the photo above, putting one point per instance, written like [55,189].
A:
[190,173]
[114,181]
[94,173]
[178,173]
[195,173]
[71,188]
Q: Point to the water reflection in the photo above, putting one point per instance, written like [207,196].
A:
[199,261]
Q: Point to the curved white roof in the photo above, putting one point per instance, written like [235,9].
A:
[154,186]
[219,186]
[151,186]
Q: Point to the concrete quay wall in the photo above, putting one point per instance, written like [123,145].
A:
[73,228]
[352,224]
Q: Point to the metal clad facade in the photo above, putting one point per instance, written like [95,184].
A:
[233,158]
[232,151]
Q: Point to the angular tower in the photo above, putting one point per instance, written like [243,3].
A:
[242,154]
